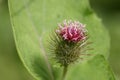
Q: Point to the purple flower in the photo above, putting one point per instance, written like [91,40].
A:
[72,31]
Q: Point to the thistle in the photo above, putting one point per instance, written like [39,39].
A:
[68,41]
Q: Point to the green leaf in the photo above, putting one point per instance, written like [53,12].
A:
[33,21]
[94,69]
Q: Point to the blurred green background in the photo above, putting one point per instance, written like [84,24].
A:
[11,67]
[109,11]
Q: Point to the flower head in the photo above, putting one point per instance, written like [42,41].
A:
[69,40]
[72,31]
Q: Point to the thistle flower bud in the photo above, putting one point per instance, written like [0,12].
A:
[68,40]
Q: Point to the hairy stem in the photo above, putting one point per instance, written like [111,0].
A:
[64,72]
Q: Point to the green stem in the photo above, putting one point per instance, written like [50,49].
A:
[64,72]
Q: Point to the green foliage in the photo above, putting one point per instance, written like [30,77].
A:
[95,69]
[11,67]
[32,22]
